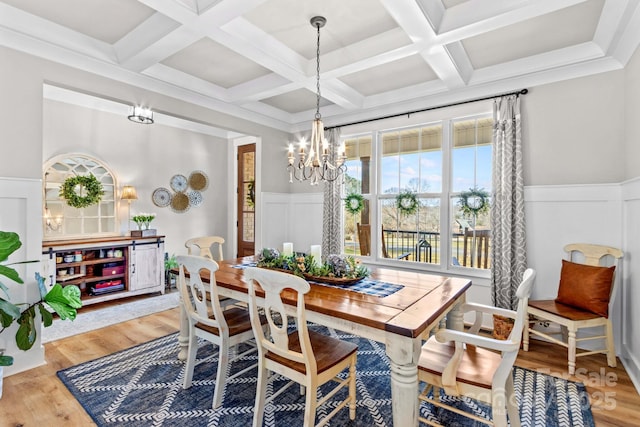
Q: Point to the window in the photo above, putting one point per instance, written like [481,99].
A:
[62,220]
[435,162]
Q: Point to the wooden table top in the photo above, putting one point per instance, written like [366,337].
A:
[407,312]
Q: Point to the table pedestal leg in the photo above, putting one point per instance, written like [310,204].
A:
[404,354]
[455,318]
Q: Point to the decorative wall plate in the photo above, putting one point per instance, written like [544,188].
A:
[195,198]
[198,180]
[180,202]
[179,183]
[161,197]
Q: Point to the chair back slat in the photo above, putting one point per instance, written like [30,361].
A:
[200,300]
[274,284]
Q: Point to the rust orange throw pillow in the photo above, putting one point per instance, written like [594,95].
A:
[586,287]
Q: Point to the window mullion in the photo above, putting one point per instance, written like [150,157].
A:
[445,197]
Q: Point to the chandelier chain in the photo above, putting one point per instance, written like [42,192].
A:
[323,162]
[318,116]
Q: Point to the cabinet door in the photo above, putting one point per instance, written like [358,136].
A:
[146,267]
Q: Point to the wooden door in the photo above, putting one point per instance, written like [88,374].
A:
[246,199]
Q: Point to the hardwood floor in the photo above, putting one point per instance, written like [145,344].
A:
[37,398]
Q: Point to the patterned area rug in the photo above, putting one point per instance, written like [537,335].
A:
[142,386]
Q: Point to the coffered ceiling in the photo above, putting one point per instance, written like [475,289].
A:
[255,59]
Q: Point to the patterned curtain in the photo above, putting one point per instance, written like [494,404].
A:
[332,204]
[508,255]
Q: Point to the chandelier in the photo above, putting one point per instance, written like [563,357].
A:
[141,115]
[316,166]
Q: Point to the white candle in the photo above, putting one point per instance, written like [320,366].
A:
[287,249]
[316,251]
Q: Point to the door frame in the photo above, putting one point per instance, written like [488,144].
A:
[232,196]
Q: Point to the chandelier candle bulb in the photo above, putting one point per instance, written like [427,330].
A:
[287,249]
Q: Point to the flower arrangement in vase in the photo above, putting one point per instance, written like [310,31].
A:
[143,221]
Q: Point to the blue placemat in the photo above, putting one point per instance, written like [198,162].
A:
[366,286]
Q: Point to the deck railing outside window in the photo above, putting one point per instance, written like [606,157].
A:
[425,247]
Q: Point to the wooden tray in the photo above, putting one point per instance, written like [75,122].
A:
[341,281]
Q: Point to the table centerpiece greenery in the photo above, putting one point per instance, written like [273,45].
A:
[63,300]
[337,269]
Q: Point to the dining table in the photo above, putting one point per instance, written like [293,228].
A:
[414,305]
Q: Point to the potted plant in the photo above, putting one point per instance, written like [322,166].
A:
[63,300]
[169,263]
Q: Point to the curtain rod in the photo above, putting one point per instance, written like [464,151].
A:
[408,113]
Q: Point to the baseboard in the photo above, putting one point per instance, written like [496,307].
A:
[632,367]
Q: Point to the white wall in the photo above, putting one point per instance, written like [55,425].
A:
[573,131]
[146,156]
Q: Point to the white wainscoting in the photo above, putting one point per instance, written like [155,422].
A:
[21,207]
[630,295]
[606,214]
[557,215]
[293,217]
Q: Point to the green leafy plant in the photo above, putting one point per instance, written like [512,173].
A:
[170,262]
[336,266]
[89,185]
[63,300]
[143,219]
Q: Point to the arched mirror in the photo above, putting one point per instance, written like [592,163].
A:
[60,218]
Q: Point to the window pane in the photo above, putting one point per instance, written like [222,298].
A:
[412,160]
[413,237]
[471,170]
[357,181]
[472,154]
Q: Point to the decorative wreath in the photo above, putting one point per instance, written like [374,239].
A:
[354,203]
[91,185]
[407,203]
[475,201]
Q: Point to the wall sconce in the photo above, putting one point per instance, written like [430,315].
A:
[129,194]
[141,115]
[53,224]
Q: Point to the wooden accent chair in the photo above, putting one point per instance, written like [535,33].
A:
[583,301]
[202,246]
[467,364]
[476,247]
[364,237]
[207,320]
[305,357]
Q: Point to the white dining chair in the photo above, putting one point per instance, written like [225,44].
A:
[202,246]
[306,357]
[467,364]
[207,320]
